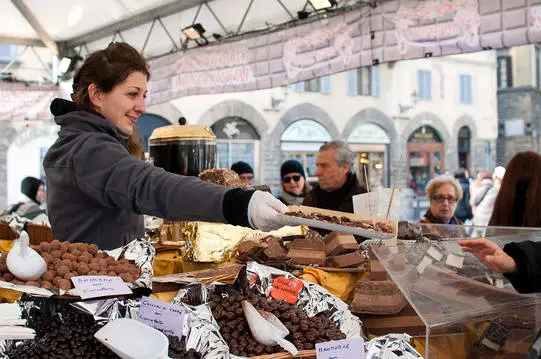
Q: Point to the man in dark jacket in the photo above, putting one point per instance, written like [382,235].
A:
[337,180]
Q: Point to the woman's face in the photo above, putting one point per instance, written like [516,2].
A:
[41,195]
[125,103]
[443,203]
[293,183]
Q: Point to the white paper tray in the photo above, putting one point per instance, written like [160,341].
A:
[368,233]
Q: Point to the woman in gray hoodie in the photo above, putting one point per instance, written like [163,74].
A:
[98,190]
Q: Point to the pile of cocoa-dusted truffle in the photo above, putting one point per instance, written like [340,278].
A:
[66,260]
[304,332]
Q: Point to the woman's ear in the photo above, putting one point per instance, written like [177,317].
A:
[95,95]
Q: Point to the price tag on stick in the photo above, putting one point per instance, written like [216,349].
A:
[286,289]
[341,349]
[166,317]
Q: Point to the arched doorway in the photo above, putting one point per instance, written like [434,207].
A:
[371,143]
[301,141]
[236,140]
[464,147]
[146,124]
[425,158]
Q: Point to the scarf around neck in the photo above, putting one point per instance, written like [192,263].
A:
[432,219]
[291,199]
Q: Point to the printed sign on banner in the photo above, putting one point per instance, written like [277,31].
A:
[341,349]
[166,317]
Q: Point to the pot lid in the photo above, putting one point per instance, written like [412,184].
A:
[175,132]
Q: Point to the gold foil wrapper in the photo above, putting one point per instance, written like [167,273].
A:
[218,242]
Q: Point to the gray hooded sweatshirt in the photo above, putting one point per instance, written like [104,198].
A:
[97,191]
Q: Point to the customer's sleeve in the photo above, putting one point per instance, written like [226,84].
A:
[527,256]
[106,172]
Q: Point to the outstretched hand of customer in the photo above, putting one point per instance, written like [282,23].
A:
[490,254]
[263,211]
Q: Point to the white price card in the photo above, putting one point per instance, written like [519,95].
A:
[94,286]
[341,349]
[166,317]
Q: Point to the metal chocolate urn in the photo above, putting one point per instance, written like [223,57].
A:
[185,150]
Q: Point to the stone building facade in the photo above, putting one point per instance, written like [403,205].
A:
[403,106]
[407,115]
[519,100]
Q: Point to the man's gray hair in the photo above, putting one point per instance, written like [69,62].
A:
[344,155]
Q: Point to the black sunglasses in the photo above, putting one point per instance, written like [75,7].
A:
[295,178]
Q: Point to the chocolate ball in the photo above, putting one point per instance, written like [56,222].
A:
[44,247]
[48,276]
[55,244]
[64,284]
[47,285]
[62,269]
[83,269]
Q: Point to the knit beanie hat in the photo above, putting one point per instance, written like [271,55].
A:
[242,167]
[291,166]
[30,186]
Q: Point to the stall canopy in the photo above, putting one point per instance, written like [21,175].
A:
[40,29]
[256,44]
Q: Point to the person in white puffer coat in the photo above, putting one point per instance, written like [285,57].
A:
[485,196]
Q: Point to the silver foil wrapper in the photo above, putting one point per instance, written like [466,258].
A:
[203,333]
[110,309]
[396,344]
[313,299]
[142,253]
[201,329]
[102,310]
[15,221]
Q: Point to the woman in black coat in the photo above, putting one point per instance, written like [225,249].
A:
[520,262]
[463,209]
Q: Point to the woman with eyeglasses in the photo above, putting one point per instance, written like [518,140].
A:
[443,192]
[294,186]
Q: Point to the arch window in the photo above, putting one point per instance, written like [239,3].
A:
[301,141]
[425,158]
[236,140]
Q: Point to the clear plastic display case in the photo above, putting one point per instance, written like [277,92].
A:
[454,294]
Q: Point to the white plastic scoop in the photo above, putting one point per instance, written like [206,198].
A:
[131,339]
[24,262]
[266,328]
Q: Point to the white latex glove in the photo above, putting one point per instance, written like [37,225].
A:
[263,210]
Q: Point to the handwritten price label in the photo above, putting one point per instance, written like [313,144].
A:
[286,289]
[91,286]
[341,349]
[166,317]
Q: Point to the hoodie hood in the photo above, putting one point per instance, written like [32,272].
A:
[72,120]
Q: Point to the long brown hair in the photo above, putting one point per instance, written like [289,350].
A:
[517,203]
[107,68]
